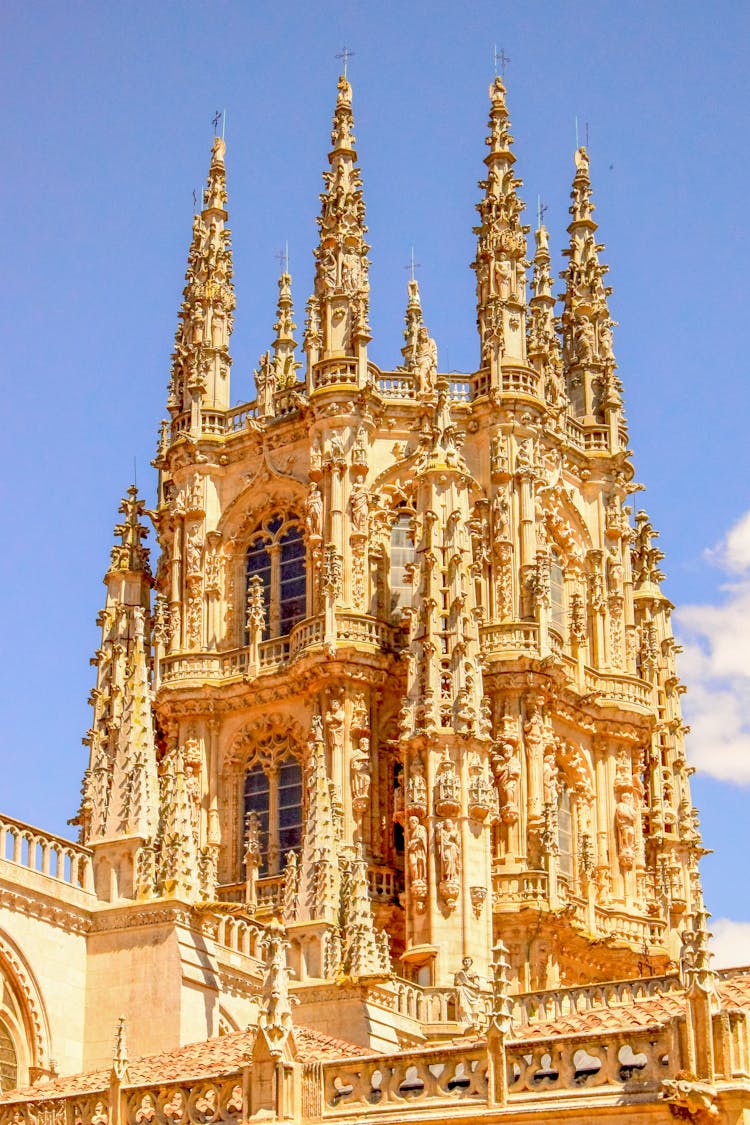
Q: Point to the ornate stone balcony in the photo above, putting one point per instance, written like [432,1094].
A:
[51,856]
[200,666]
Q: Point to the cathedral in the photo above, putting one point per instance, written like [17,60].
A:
[387,802]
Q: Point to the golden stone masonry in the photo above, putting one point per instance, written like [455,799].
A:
[387,813]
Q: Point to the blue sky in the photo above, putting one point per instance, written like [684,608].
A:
[106,133]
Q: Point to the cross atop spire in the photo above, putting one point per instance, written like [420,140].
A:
[345,54]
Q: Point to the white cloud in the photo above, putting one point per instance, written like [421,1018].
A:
[731,943]
[715,665]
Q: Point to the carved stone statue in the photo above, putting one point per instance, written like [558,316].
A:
[360,506]
[360,774]
[625,828]
[426,361]
[467,984]
[416,850]
[449,851]
[314,510]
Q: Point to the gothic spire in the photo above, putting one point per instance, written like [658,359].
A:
[543,343]
[337,313]
[285,366]
[500,263]
[277,370]
[120,787]
[594,388]
[201,360]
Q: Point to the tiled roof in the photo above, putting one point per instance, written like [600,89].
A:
[213,1057]
[649,1011]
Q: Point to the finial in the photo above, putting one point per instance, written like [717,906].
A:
[120,1054]
[130,554]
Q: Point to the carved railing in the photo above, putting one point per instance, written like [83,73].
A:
[199,1103]
[623,689]
[628,1061]
[239,935]
[519,381]
[362,629]
[305,634]
[510,637]
[381,883]
[575,432]
[236,419]
[395,1080]
[552,1004]
[49,855]
[521,888]
[625,927]
[398,385]
[334,372]
[596,439]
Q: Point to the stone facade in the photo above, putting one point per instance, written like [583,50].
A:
[396,714]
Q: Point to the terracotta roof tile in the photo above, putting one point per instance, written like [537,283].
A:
[213,1057]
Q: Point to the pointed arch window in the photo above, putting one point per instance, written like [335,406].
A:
[565,832]
[273,791]
[557,592]
[8,1060]
[402,556]
[276,555]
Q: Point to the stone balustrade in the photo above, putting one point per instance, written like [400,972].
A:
[239,935]
[552,1004]
[48,855]
[626,1061]
[356,628]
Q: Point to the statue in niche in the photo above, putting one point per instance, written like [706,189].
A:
[359,449]
[336,446]
[467,985]
[416,850]
[417,786]
[360,772]
[625,828]
[449,851]
[314,511]
[426,361]
[615,571]
[510,779]
[549,779]
[360,506]
[335,724]
[316,454]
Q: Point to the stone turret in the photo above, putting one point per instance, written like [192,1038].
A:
[594,389]
[201,362]
[543,342]
[500,264]
[445,732]
[337,313]
[119,812]
[277,370]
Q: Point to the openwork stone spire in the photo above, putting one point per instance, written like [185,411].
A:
[201,360]
[543,342]
[277,370]
[120,793]
[594,389]
[500,264]
[337,313]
